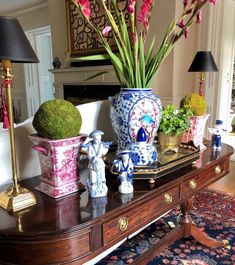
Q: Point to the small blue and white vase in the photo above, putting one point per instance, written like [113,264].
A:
[132,109]
[141,153]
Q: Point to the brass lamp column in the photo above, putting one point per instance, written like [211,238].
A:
[203,62]
[14,47]
[201,84]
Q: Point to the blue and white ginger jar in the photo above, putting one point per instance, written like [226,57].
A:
[132,109]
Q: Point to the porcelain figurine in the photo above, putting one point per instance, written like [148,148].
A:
[142,153]
[56,63]
[95,150]
[125,168]
[216,135]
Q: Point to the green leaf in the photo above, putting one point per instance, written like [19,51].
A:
[128,72]
[142,62]
[150,52]
[91,57]
[96,75]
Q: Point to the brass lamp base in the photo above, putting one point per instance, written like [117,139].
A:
[16,199]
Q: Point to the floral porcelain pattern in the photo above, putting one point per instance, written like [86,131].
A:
[132,109]
[59,164]
[143,155]
[196,130]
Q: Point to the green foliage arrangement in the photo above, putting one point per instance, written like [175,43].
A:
[57,119]
[174,121]
[196,102]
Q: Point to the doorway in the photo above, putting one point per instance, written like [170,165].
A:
[39,82]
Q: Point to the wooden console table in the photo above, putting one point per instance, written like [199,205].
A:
[74,229]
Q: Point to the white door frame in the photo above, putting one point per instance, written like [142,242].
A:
[211,37]
[33,72]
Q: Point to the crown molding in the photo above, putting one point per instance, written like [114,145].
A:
[29,10]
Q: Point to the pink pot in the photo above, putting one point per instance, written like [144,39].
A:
[196,130]
[59,160]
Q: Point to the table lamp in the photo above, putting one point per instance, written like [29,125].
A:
[203,62]
[14,48]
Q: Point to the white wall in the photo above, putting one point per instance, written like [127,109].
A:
[57,14]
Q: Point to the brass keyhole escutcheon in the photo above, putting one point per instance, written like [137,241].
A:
[168,198]
[123,224]
[192,184]
[218,170]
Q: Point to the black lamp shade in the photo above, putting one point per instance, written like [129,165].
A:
[203,62]
[14,45]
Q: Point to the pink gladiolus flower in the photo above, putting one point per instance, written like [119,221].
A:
[181,24]
[133,37]
[131,6]
[131,9]
[105,31]
[86,12]
[213,1]
[199,16]
[144,13]
[186,33]
[85,5]
[185,2]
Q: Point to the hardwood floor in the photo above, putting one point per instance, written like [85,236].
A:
[227,183]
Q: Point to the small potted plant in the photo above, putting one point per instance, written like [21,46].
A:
[174,123]
[57,123]
[198,119]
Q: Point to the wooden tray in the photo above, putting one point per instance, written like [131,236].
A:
[167,162]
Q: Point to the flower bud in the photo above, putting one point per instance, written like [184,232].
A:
[131,9]
[199,16]
[186,33]
[213,2]
[105,31]
[185,2]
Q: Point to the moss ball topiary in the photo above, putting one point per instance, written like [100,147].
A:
[196,102]
[57,119]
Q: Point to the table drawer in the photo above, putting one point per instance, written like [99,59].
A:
[205,177]
[135,218]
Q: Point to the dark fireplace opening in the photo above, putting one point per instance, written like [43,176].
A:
[79,94]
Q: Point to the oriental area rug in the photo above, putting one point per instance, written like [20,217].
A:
[213,210]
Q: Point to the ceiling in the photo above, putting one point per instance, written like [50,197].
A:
[12,6]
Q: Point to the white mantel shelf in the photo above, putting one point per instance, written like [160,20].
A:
[82,69]
[78,76]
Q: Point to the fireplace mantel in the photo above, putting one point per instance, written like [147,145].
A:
[78,76]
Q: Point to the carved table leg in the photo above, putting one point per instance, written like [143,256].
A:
[190,228]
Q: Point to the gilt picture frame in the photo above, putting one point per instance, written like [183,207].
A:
[82,39]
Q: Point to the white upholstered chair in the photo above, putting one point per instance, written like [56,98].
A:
[95,115]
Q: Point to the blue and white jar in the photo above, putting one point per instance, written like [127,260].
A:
[132,109]
[141,153]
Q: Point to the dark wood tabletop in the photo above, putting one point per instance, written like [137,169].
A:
[56,218]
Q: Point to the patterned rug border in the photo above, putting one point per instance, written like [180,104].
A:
[183,251]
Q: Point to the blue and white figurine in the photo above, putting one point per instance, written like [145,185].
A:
[95,150]
[142,153]
[216,135]
[125,168]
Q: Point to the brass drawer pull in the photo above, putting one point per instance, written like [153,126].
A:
[123,224]
[192,184]
[218,170]
[168,198]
